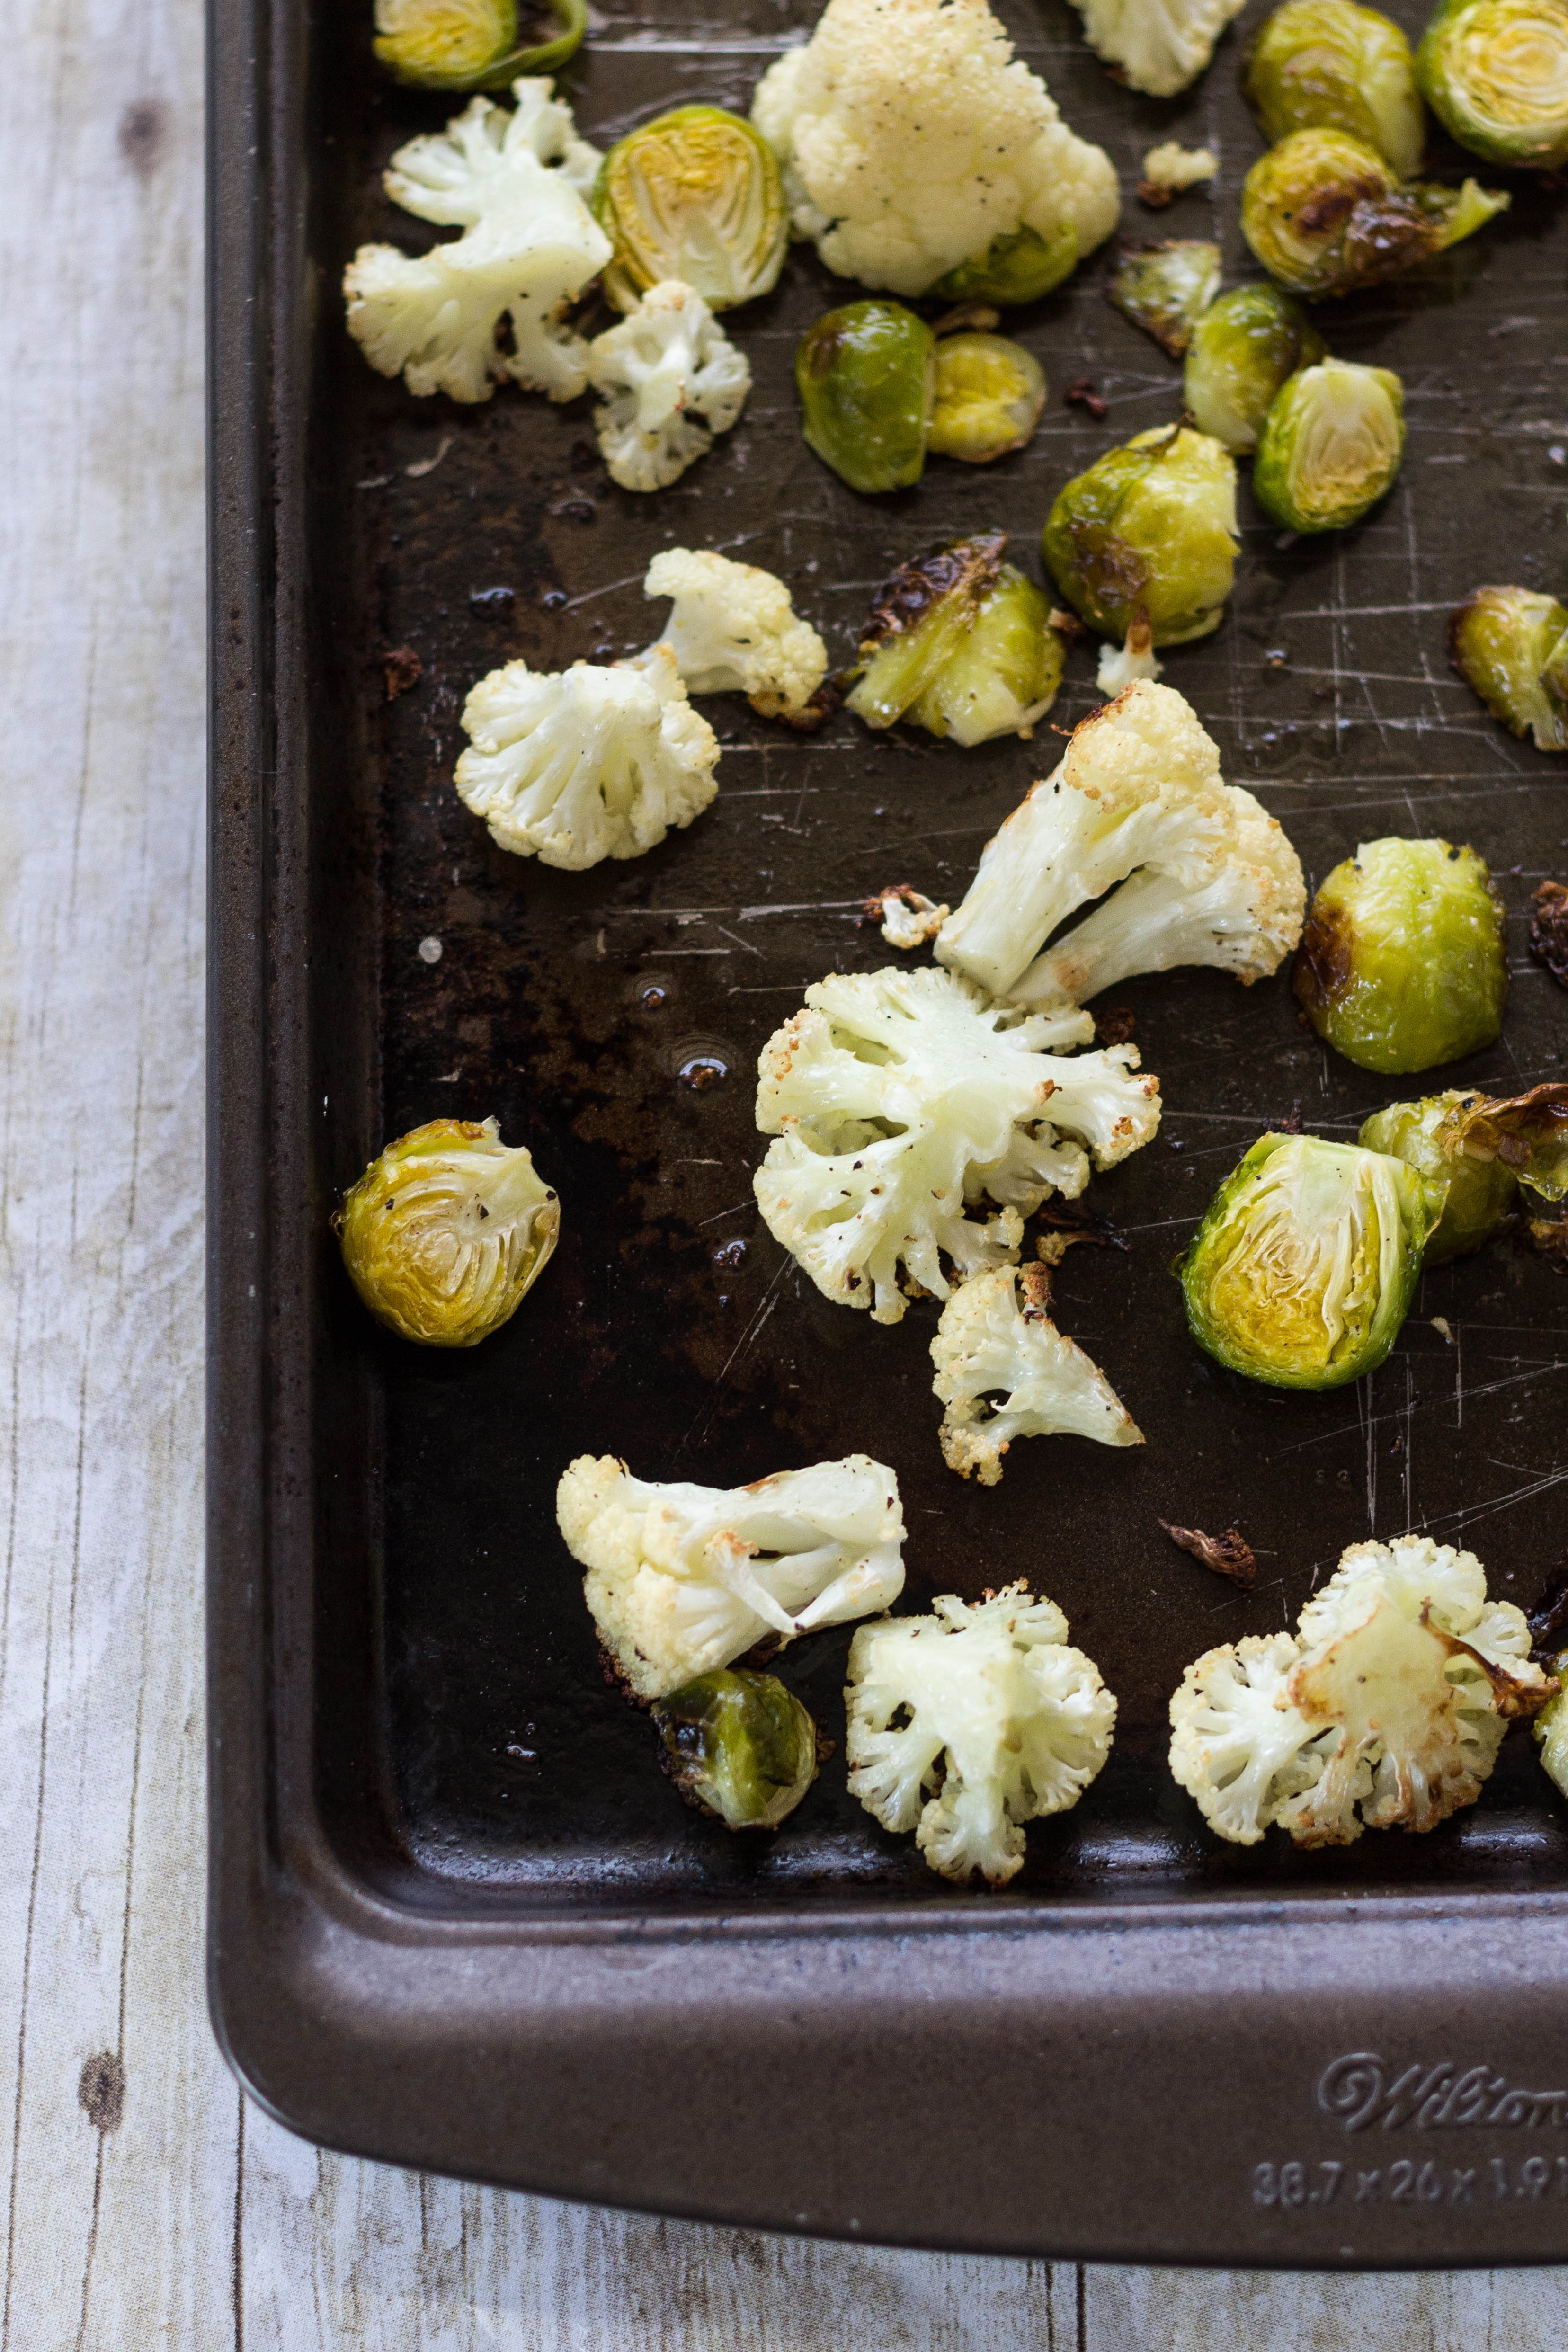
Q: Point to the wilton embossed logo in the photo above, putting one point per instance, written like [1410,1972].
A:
[1361,2089]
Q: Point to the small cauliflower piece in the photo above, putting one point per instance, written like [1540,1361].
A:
[1384,1710]
[997,1341]
[514,184]
[575,765]
[669,379]
[1170,169]
[682,1579]
[1139,794]
[734,631]
[1158,45]
[1004,1723]
[1122,666]
[912,143]
[906,917]
[902,1101]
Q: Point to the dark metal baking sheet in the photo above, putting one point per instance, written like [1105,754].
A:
[459,1918]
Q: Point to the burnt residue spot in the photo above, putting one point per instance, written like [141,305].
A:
[1228,1555]
[555,600]
[1322,967]
[404,669]
[143,133]
[1155,195]
[823,706]
[1067,1217]
[1548,1619]
[1082,394]
[100,2088]
[575,509]
[491,604]
[702,1072]
[1549,930]
[1114,1026]
[731,1254]
[964,566]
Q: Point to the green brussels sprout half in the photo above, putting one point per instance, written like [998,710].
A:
[738,1745]
[1330,447]
[988,398]
[1510,645]
[694,196]
[1328,64]
[867,380]
[1495,73]
[1243,347]
[1305,1265]
[959,643]
[1017,268]
[1401,964]
[1324,213]
[1164,287]
[1152,527]
[470,44]
[447,1232]
[1468,1198]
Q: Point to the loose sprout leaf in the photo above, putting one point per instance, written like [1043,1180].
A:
[1165,287]
[1228,1555]
[1526,1134]
[1471,1198]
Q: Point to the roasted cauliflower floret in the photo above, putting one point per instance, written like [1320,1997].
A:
[997,1341]
[1159,45]
[669,379]
[1385,1710]
[902,1101]
[733,630]
[682,1579]
[1004,1723]
[906,918]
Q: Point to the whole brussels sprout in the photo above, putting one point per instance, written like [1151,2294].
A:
[1306,1262]
[694,196]
[447,1232]
[739,1744]
[1017,268]
[1401,964]
[1330,447]
[1243,347]
[1149,525]
[1495,73]
[867,380]
[1324,213]
[1511,645]
[959,643]
[1164,287]
[470,43]
[989,394]
[1470,1199]
[1331,64]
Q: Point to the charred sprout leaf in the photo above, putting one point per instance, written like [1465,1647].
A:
[1164,288]
[446,1234]
[694,196]
[1328,64]
[1304,1267]
[1331,446]
[1243,347]
[1548,1619]
[959,643]
[1151,525]
[739,1744]
[1017,268]
[989,396]
[1401,964]
[1324,213]
[1549,930]
[1510,645]
[866,375]
[1470,1198]
[1495,73]
[472,43]
[1228,1555]
[1526,1134]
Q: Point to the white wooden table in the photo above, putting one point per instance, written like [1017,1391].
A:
[145,2203]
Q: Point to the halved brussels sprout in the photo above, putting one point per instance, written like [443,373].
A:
[1017,268]
[1495,73]
[1330,64]
[1330,447]
[447,1232]
[1164,287]
[1470,1199]
[1526,1134]
[738,1745]
[694,196]
[1243,347]
[867,380]
[471,44]
[959,643]
[1304,1267]
[1324,213]
[989,396]
[1511,645]
[1149,525]
[1401,964]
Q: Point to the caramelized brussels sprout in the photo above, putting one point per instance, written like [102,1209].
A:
[1328,64]
[447,1232]
[470,44]
[1304,1267]
[1527,1134]
[1324,213]
[1243,347]
[1401,964]
[1495,73]
[989,396]
[1330,447]
[694,196]
[1164,287]
[1150,526]
[867,378]
[739,1744]
[1017,268]
[1468,1198]
[959,643]
[1510,645]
